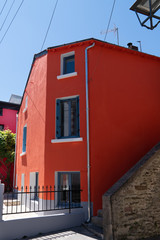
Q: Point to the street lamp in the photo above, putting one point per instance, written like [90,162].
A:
[148,8]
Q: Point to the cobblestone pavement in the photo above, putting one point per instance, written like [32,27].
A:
[77,233]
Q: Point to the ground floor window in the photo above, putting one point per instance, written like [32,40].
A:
[69,183]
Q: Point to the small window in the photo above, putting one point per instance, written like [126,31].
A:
[1,111]
[26,104]
[1,127]
[24,139]
[67,118]
[68,63]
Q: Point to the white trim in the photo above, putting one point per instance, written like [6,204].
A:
[67,75]
[22,154]
[62,57]
[63,98]
[26,104]
[67,140]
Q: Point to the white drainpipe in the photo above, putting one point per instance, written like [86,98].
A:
[14,170]
[87,121]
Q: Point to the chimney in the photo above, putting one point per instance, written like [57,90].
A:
[131,46]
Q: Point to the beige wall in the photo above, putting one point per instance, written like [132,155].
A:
[132,209]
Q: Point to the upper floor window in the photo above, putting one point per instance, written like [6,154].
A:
[67,118]
[1,111]
[26,104]
[24,139]
[1,127]
[68,63]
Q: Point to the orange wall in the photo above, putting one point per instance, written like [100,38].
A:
[34,117]
[124,115]
[124,112]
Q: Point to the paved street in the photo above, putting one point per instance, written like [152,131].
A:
[77,233]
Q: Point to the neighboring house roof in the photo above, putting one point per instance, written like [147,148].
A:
[15,99]
[8,105]
[110,45]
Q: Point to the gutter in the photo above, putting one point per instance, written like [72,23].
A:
[87,122]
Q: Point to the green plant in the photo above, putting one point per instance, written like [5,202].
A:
[7,152]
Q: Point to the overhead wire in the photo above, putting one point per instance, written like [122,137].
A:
[108,25]
[54,9]
[11,21]
[3,7]
[7,15]
[109,19]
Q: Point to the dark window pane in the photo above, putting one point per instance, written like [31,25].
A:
[71,180]
[68,118]
[1,111]
[64,186]
[24,139]
[1,127]
[68,65]
[75,181]
[73,118]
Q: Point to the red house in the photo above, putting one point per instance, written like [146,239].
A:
[90,111]
[8,111]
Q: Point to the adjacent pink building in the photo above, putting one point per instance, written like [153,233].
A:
[8,111]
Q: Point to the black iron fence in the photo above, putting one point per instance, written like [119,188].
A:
[41,199]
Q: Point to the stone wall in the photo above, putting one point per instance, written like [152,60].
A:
[131,207]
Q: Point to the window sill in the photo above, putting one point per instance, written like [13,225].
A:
[67,75]
[67,140]
[22,154]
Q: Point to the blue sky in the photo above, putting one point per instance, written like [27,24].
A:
[73,20]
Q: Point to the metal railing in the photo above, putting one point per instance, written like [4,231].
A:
[41,199]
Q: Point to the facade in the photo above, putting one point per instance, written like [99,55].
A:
[53,147]
[8,111]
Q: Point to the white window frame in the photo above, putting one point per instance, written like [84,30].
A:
[26,104]
[65,140]
[62,76]
[57,181]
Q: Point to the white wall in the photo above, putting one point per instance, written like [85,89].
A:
[32,226]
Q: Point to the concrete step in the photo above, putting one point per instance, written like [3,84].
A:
[97,231]
[100,213]
[98,221]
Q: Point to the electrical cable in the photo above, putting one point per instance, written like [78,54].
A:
[7,15]
[49,24]
[11,22]
[109,20]
[3,7]
[111,14]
